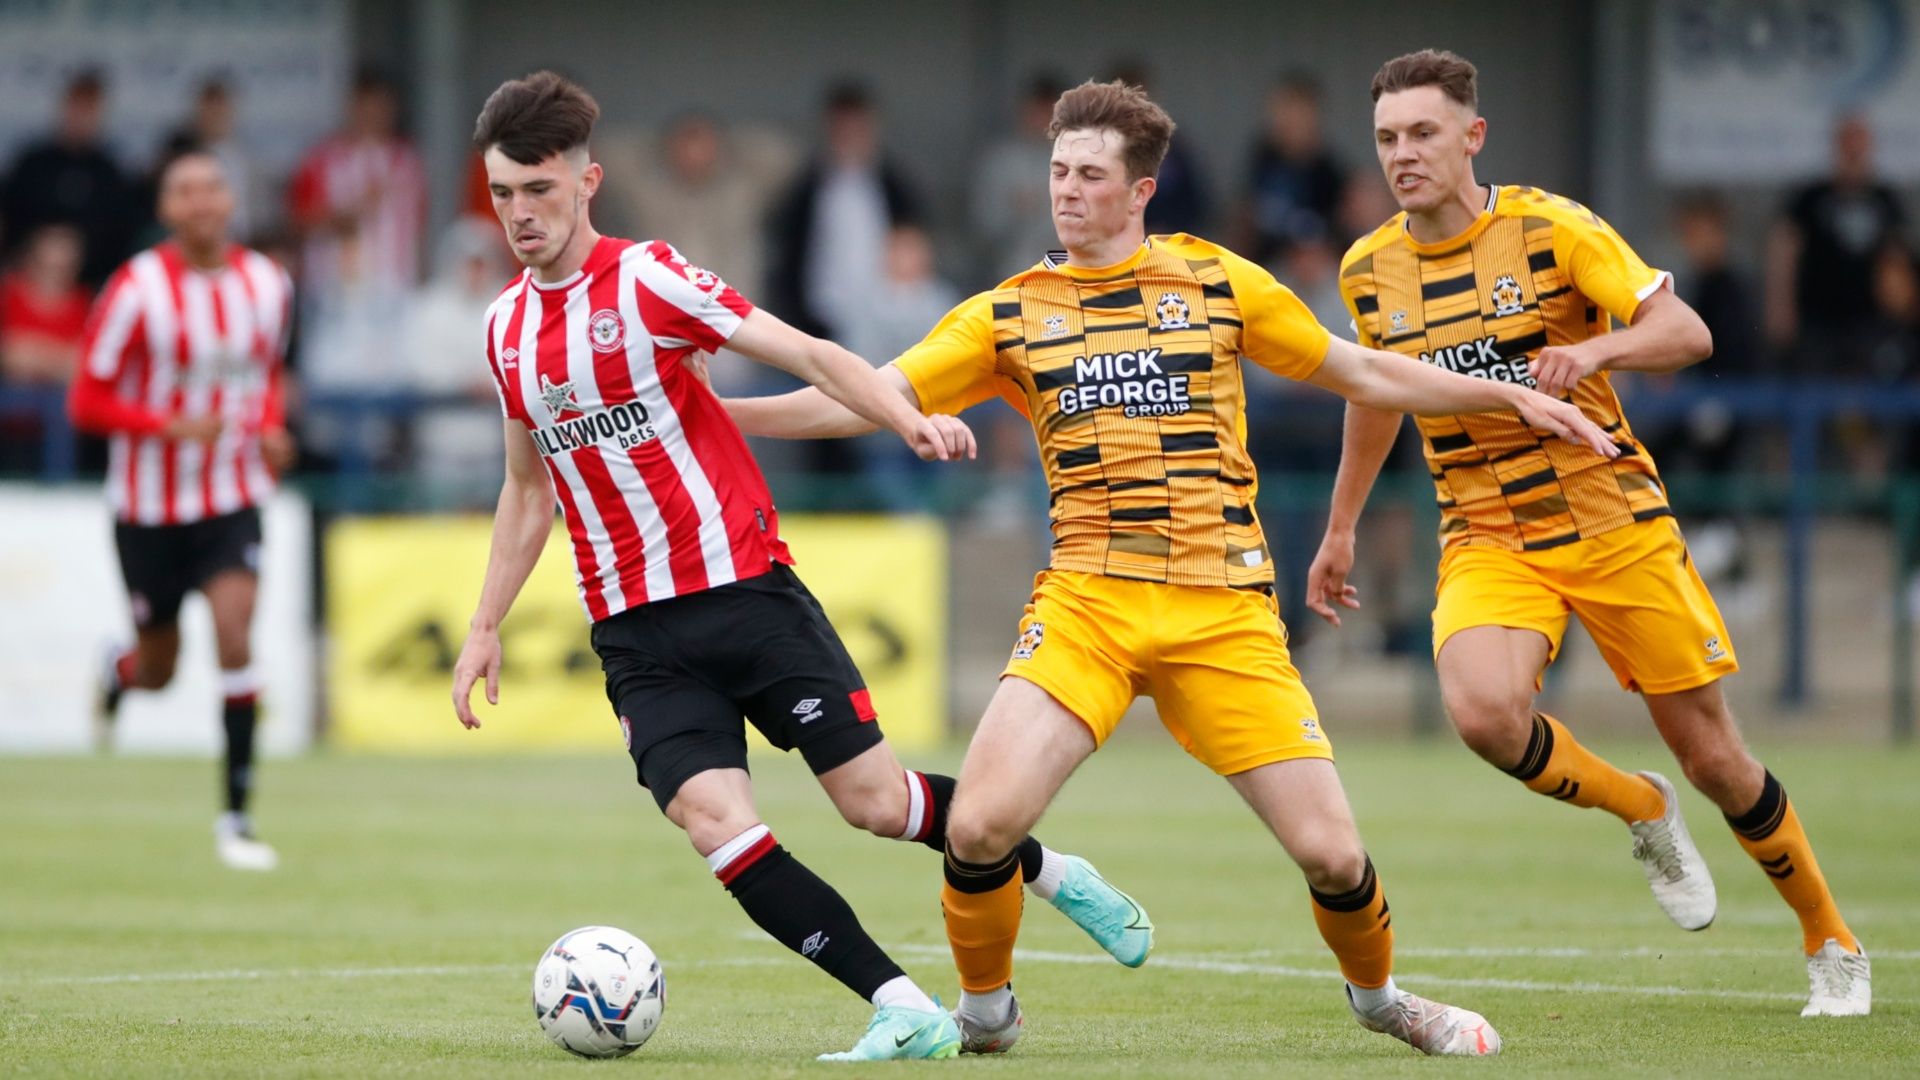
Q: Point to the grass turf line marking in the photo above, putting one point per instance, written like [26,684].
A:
[1231,967]
[1569,952]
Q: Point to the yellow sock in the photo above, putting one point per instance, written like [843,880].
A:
[1771,833]
[982,907]
[1557,765]
[1357,926]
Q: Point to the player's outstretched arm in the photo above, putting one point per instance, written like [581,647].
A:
[1389,381]
[521,524]
[847,380]
[1666,335]
[809,414]
[1364,445]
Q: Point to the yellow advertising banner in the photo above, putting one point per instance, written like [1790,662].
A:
[400,591]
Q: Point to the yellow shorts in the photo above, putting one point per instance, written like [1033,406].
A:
[1213,659]
[1635,589]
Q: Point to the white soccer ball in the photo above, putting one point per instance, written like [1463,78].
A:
[598,992]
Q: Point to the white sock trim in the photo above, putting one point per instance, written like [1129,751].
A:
[719,857]
[1053,871]
[917,808]
[1375,999]
[990,1009]
[900,992]
[238,682]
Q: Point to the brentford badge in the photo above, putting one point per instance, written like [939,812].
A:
[606,330]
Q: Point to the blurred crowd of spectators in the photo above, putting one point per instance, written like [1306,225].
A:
[837,237]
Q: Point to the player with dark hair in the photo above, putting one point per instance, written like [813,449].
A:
[1124,350]
[181,370]
[698,618]
[1519,285]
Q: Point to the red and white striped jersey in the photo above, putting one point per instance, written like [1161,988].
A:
[166,339]
[383,185]
[659,491]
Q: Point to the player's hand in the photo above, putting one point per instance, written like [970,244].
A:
[696,364]
[1327,578]
[479,657]
[1564,419]
[200,429]
[940,438]
[1557,369]
[276,445]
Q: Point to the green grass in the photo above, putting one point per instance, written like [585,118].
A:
[454,874]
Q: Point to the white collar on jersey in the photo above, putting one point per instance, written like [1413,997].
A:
[1057,259]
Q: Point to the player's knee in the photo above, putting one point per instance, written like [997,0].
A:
[153,673]
[1331,864]
[880,812]
[1493,724]
[973,835]
[709,823]
[1716,769]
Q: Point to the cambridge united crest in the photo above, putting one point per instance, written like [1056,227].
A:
[1173,312]
[606,330]
[1506,296]
[1030,639]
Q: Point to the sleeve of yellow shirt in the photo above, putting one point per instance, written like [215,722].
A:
[1353,312]
[1603,267]
[1277,331]
[953,366]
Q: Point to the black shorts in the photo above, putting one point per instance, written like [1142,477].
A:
[162,563]
[681,673]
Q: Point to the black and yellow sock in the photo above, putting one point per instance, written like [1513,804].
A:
[982,904]
[1556,765]
[1772,834]
[1358,927]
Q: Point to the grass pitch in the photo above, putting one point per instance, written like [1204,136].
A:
[399,936]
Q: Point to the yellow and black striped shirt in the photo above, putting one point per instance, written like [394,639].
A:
[1536,269]
[1131,376]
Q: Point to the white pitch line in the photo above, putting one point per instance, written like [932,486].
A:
[1230,967]
[256,974]
[1524,952]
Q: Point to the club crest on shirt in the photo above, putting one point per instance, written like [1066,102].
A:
[1030,639]
[1173,312]
[558,398]
[606,330]
[1506,296]
[1053,326]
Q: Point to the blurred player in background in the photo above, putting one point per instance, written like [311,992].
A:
[1124,351]
[1517,284]
[598,352]
[181,369]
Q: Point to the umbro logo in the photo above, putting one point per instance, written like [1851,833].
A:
[809,710]
[815,942]
[510,358]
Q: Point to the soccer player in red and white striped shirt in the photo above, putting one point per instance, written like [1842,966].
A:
[698,618]
[181,370]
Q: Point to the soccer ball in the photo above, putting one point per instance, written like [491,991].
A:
[599,992]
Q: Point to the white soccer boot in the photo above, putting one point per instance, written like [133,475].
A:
[233,838]
[977,1037]
[1673,864]
[1431,1027]
[1841,982]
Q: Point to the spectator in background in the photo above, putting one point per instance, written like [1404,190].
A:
[1294,184]
[700,188]
[1011,217]
[70,178]
[457,444]
[211,128]
[365,182]
[1834,240]
[43,310]
[830,230]
[1180,202]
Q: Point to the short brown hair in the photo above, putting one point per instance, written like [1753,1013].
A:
[1117,106]
[534,118]
[1451,72]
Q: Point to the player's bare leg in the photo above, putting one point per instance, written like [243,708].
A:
[1026,746]
[1700,730]
[147,666]
[873,792]
[1487,679]
[231,595]
[795,907]
[1302,802]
